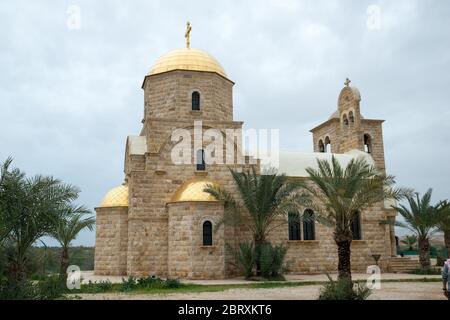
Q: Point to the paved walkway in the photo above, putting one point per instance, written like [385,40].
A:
[89,276]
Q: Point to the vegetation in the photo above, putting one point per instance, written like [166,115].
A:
[444,222]
[31,208]
[265,199]
[426,271]
[421,218]
[344,289]
[340,193]
[410,241]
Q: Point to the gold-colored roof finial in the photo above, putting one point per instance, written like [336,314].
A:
[187,34]
[347,82]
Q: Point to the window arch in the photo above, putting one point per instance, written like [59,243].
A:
[207,233]
[351,117]
[321,146]
[327,145]
[196,101]
[294,226]
[355,226]
[309,232]
[200,160]
[367,143]
[345,119]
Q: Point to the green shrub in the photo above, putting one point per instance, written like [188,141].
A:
[245,258]
[271,260]
[172,283]
[426,271]
[17,290]
[344,289]
[97,287]
[128,284]
[52,287]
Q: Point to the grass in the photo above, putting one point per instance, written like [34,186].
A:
[194,288]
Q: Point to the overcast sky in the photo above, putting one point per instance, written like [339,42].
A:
[70,96]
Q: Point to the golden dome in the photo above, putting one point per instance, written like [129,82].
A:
[193,191]
[116,197]
[187,59]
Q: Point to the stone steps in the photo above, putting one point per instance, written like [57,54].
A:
[402,265]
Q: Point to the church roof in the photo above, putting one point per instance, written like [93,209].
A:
[193,191]
[187,59]
[116,197]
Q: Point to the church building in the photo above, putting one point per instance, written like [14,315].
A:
[161,222]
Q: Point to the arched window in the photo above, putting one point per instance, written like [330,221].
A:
[200,160]
[351,117]
[356,226]
[195,100]
[207,233]
[345,120]
[327,144]
[294,226]
[321,146]
[308,225]
[367,143]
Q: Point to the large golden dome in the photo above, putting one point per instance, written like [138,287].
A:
[187,59]
[193,191]
[116,197]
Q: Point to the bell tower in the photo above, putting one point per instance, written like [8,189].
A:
[348,130]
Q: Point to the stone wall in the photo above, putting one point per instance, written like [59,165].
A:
[111,241]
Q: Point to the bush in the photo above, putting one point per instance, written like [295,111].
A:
[172,283]
[244,258]
[271,260]
[128,284]
[344,289]
[97,287]
[14,290]
[52,287]
[426,271]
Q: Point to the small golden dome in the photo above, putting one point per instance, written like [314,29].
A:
[187,59]
[193,191]
[116,197]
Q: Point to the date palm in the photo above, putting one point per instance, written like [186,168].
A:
[444,222]
[29,208]
[339,193]
[421,218]
[410,241]
[67,228]
[263,199]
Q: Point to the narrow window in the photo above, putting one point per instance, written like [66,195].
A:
[351,117]
[294,226]
[195,100]
[327,144]
[356,226]
[308,225]
[345,120]
[367,143]
[207,233]
[200,161]
[321,146]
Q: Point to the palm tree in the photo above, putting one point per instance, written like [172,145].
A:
[67,229]
[410,241]
[340,193]
[444,222]
[263,198]
[29,208]
[421,218]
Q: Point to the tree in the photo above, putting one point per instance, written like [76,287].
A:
[444,222]
[263,199]
[421,218]
[410,241]
[29,208]
[67,229]
[340,193]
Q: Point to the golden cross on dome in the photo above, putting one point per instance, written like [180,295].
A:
[187,34]
[347,82]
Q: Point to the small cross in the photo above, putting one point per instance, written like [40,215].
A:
[187,34]
[347,82]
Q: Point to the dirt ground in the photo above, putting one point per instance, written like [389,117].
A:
[388,291]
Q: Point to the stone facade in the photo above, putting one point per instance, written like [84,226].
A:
[158,233]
